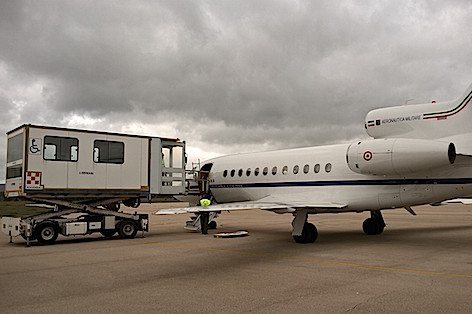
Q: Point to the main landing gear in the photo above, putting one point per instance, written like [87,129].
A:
[303,231]
[375,224]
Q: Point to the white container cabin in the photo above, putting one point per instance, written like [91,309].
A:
[44,162]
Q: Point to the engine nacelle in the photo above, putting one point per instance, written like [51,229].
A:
[399,156]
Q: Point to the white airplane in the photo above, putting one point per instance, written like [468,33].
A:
[419,154]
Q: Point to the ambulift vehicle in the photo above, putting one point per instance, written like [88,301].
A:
[84,176]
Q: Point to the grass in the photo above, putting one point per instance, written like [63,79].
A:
[19,209]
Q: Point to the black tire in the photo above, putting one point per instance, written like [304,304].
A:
[309,234]
[127,229]
[46,232]
[108,233]
[113,206]
[132,202]
[212,224]
[372,226]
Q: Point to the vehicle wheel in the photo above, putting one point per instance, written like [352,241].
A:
[108,233]
[132,202]
[32,237]
[113,206]
[212,224]
[309,234]
[372,227]
[46,232]
[127,229]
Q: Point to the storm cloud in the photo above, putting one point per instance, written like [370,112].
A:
[227,76]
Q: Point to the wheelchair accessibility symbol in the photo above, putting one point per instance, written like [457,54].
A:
[34,147]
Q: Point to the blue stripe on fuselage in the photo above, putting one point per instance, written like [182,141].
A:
[344,183]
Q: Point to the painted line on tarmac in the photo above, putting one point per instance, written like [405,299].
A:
[346,264]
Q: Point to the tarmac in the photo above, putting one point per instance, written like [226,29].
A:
[419,264]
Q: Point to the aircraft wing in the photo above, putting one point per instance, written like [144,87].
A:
[282,204]
[465,201]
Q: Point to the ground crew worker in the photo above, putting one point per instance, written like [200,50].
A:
[204,202]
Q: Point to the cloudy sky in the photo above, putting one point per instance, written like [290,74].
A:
[227,76]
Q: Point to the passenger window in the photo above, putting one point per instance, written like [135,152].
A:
[225,173]
[285,170]
[306,169]
[248,172]
[328,167]
[61,148]
[295,169]
[109,152]
[15,148]
[274,171]
[240,172]
[317,168]
[265,171]
[233,172]
[256,172]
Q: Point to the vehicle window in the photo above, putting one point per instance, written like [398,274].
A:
[225,173]
[274,171]
[306,169]
[328,167]
[317,168]
[256,172]
[240,172]
[295,169]
[285,170]
[265,171]
[14,171]
[109,152]
[61,148]
[248,172]
[233,172]
[15,148]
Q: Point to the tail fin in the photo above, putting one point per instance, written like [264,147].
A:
[443,120]
[452,109]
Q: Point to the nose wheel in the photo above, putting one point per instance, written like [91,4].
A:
[375,224]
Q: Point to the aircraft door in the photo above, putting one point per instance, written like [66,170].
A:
[203,179]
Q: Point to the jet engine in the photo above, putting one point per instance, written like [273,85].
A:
[399,156]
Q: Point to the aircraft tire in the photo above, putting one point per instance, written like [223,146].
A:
[309,234]
[127,229]
[46,232]
[212,224]
[372,227]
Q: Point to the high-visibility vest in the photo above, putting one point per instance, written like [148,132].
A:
[205,202]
